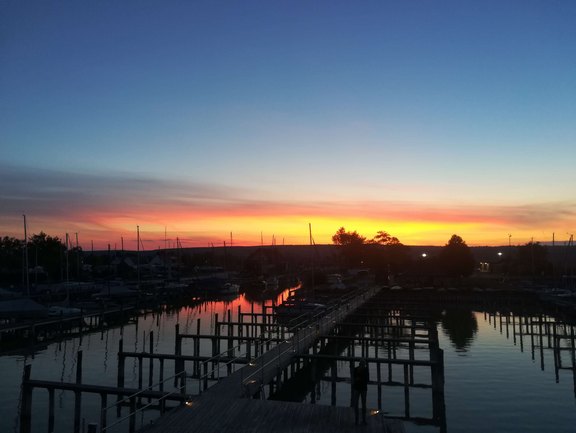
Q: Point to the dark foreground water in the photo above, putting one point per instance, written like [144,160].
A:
[493,380]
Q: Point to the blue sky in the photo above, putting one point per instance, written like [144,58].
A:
[437,106]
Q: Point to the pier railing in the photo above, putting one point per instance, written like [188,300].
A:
[133,401]
[275,345]
[281,348]
[271,364]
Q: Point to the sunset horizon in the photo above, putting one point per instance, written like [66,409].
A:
[282,226]
[197,120]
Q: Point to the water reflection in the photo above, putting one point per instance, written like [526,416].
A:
[461,327]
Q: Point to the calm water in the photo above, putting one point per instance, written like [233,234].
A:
[492,383]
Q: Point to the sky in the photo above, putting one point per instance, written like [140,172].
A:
[249,122]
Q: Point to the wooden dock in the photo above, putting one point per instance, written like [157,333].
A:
[230,404]
[234,385]
[221,415]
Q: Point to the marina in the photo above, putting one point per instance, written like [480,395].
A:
[240,357]
[287,217]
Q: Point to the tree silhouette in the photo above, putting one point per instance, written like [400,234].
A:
[532,259]
[342,237]
[11,259]
[48,252]
[456,258]
[384,238]
[461,327]
[352,245]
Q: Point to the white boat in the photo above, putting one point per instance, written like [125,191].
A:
[57,311]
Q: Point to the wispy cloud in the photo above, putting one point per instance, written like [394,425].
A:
[62,194]
[106,201]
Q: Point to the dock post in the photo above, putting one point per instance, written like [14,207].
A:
[437,368]
[120,382]
[556,349]
[103,405]
[197,348]
[151,367]
[161,378]
[251,329]
[261,344]
[177,351]
[183,382]
[217,333]
[521,334]
[513,328]
[379,380]
[240,325]
[140,361]
[205,375]
[51,410]
[26,410]
[573,356]
[532,336]
[411,349]
[313,372]
[406,392]
[132,425]
[78,394]
[230,342]
[389,359]
[334,375]
[541,343]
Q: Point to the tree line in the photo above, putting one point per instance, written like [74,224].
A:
[386,255]
[49,259]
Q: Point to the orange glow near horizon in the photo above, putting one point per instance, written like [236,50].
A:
[158,231]
[255,222]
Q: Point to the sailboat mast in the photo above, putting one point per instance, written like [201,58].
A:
[26,275]
[313,260]
[138,255]
[67,270]
[77,259]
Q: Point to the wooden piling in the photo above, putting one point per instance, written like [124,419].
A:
[78,394]
[151,364]
[178,365]
[51,411]
[26,408]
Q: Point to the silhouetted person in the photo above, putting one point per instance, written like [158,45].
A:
[359,389]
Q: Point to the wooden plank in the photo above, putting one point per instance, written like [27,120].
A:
[255,416]
[100,389]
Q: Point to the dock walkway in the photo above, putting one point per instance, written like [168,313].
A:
[228,406]
[267,416]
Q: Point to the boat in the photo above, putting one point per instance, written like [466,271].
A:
[299,307]
[334,282]
[229,289]
[216,286]
[116,290]
[58,311]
